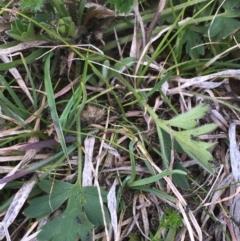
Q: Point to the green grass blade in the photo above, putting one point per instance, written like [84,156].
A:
[155,178]
[133,163]
[165,149]
[52,104]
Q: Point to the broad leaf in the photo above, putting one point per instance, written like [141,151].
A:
[194,42]
[70,224]
[42,206]
[180,180]
[189,119]
[222,27]
[45,205]
[83,210]
[56,187]
[231,8]
[91,205]
[197,150]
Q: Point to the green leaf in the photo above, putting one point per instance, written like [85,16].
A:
[31,5]
[59,230]
[123,6]
[165,147]
[231,6]
[155,178]
[40,207]
[197,150]
[188,120]
[21,30]
[70,224]
[156,192]
[42,17]
[31,30]
[92,207]
[56,187]
[132,160]
[222,27]
[194,45]
[200,130]
[17,28]
[20,25]
[52,105]
[180,180]
[77,220]
[168,144]
[43,206]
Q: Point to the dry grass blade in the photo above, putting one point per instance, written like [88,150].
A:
[143,204]
[157,14]
[234,212]
[87,175]
[16,205]
[234,152]
[137,44]
[112,206]
[21,46]
[14,170]
[196,81]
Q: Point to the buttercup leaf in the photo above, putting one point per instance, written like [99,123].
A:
[83,210]
[188,120]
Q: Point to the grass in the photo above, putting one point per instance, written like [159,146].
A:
[109,134]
